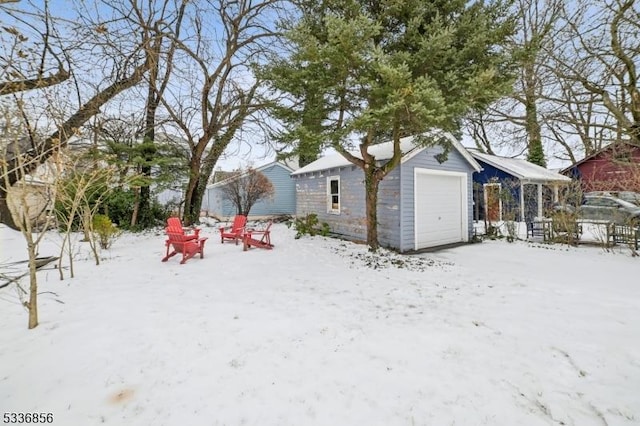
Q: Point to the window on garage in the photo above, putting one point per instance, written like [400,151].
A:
[333,194]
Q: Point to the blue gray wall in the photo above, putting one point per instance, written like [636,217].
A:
[282,202]
[455,162]
[311,197]
[395,198]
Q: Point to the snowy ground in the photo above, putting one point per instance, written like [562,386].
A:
[317,332]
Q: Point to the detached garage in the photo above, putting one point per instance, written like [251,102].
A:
[440,207]
[425,202]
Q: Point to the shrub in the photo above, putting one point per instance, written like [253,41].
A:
[105,231]
[310,225]
[119,207]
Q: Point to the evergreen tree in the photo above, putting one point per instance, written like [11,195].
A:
[390,67]
[536,153]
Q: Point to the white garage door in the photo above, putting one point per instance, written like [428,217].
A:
[440,208]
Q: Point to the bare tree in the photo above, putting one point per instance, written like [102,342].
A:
[519,117]
[33,55]
[24,209]
[81,188]
[577,121]
[120,54]
[228,38]
[601,54]
[160,38]
[245,188]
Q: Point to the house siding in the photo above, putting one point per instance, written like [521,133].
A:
[455,163]
[350,223]
[490,174]
[396,226]
[281,203]
[604,173]
[30,200]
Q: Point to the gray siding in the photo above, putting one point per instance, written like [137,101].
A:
[311,197]
[284,198]
[282,202]
[396,226]
[455,162]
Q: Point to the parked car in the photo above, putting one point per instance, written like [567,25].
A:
[630,196]
[606,207]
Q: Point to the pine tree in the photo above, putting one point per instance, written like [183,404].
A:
[536,153]
[389,68]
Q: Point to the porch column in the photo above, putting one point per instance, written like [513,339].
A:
[556,193]
[540,200]
[521,201]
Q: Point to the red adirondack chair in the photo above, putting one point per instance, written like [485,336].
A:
[176,224]
[235,231]
[250,238]
[187,245]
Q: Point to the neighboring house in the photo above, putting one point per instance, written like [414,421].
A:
[173,196]
[33,195]
[513,187]
[283,201]
[424,202]
[616,167]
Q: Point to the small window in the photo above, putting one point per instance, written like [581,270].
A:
[333,194]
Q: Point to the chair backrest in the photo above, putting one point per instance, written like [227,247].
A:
[265,232]
[174,225]
[173,230]
[239,222]
[175,222]
[178,239]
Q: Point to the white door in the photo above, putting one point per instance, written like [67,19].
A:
[440,208]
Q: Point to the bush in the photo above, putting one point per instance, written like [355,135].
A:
[310,225]
[119,208]
[565,227]
[105,231]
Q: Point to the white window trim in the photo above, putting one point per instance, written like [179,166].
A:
[330,208]
[486,204]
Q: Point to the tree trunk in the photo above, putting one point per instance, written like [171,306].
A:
[148,148]
[136,207]
[197,186]
[196,200]
[86,223]
[144,203]
[312,118]
[191,195]
[33,285]
[534,133]
[371,182]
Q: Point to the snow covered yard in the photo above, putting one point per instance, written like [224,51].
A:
[317,332]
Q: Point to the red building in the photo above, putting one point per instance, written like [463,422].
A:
[614,168]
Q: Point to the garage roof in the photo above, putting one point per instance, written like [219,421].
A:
[522,169]
[384,151]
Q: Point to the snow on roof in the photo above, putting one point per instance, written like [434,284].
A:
[520,168]
[384,151]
